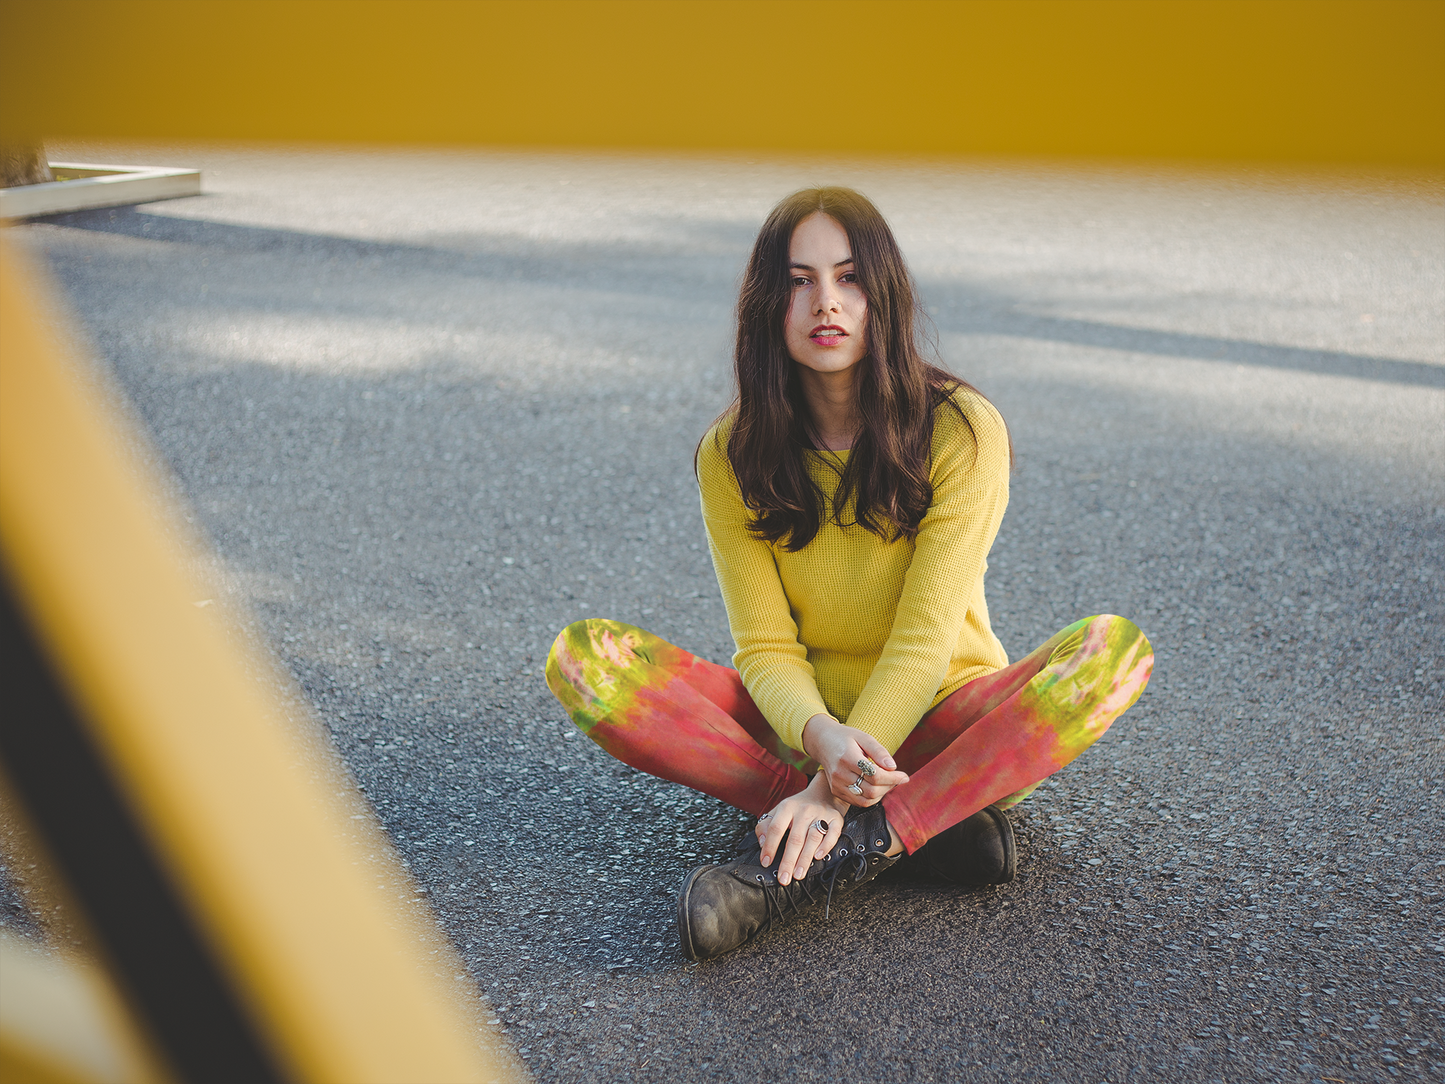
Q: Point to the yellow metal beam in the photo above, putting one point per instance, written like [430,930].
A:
[1296,81]
[297,902]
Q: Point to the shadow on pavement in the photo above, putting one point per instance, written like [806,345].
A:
[557,262]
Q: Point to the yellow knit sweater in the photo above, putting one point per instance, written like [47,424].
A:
[872,633]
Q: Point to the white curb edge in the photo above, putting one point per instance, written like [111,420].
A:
[108,186]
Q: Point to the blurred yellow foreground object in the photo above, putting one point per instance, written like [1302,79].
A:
[240,893]
[61,1022]
[1324,82]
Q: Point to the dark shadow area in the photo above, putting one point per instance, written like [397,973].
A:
[673,271]
[980,320]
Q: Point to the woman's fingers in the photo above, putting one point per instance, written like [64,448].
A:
[798,835]
[815,835]
[856,787]
[887,779]
[822,833]
[867,795]
[856,779]
[879,776]
[874,750]
[830,838]
[847,785]
[772,836]
[808,840]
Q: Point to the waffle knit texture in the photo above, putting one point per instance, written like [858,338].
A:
[873,633]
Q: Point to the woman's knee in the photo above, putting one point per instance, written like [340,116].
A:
[1120,653]
[573,672]
[1102,638]
[1123,635]
[596,664]
[591,644]
[569,654]
[1110,627]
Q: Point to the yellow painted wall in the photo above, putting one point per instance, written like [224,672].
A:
[1301,81]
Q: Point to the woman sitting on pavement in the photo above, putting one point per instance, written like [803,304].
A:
[851,494]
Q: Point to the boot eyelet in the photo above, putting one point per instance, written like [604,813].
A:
[758,877]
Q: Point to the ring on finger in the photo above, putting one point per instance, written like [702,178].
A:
[867,767]
[823,826]
[856,787]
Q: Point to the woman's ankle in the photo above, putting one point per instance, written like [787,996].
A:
[895,844]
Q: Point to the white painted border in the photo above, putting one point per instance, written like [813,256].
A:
[107,186]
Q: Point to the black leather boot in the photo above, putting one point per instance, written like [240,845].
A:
[974,852]
[722,907]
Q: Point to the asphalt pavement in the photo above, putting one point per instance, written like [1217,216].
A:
[432,406]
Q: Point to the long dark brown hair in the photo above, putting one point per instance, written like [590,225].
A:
[885,482]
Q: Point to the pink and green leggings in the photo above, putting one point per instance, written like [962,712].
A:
[658,708]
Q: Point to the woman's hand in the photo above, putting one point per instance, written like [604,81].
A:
[805,813]
[839,749]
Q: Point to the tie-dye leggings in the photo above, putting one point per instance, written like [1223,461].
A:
[661,709]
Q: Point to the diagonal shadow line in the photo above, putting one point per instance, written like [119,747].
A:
[663,270]
[1200,347]
[977,318]
[509,252]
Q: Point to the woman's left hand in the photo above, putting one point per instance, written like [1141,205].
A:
[858,768]
[812,820]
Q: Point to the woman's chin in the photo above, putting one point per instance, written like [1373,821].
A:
[828,359]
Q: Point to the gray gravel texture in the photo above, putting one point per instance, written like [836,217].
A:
[431,407]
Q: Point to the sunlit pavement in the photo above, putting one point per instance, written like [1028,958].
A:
[431,407]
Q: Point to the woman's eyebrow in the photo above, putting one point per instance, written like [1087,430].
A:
[809,267]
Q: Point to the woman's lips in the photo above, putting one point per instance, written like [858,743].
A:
[828,335]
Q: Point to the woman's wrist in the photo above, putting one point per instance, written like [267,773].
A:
[811,730]
[823,790]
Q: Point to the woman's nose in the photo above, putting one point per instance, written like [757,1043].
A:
[826,300]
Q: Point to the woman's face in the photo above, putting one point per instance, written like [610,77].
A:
[828,317]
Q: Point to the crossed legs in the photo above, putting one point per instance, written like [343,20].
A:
[667,712]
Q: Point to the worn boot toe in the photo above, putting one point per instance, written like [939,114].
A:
[722,907]
[717,912]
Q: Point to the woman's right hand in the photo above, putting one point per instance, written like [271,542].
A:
[838,749]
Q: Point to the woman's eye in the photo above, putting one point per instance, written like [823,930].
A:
[849,276]
[798,280]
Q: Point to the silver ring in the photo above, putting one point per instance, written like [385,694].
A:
[764,817]
[823,826]
[856,787]
[867,767]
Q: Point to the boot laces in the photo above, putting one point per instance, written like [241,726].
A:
[783,898]
[856,864]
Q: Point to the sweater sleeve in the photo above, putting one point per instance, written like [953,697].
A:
[970,492]
[772,663]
